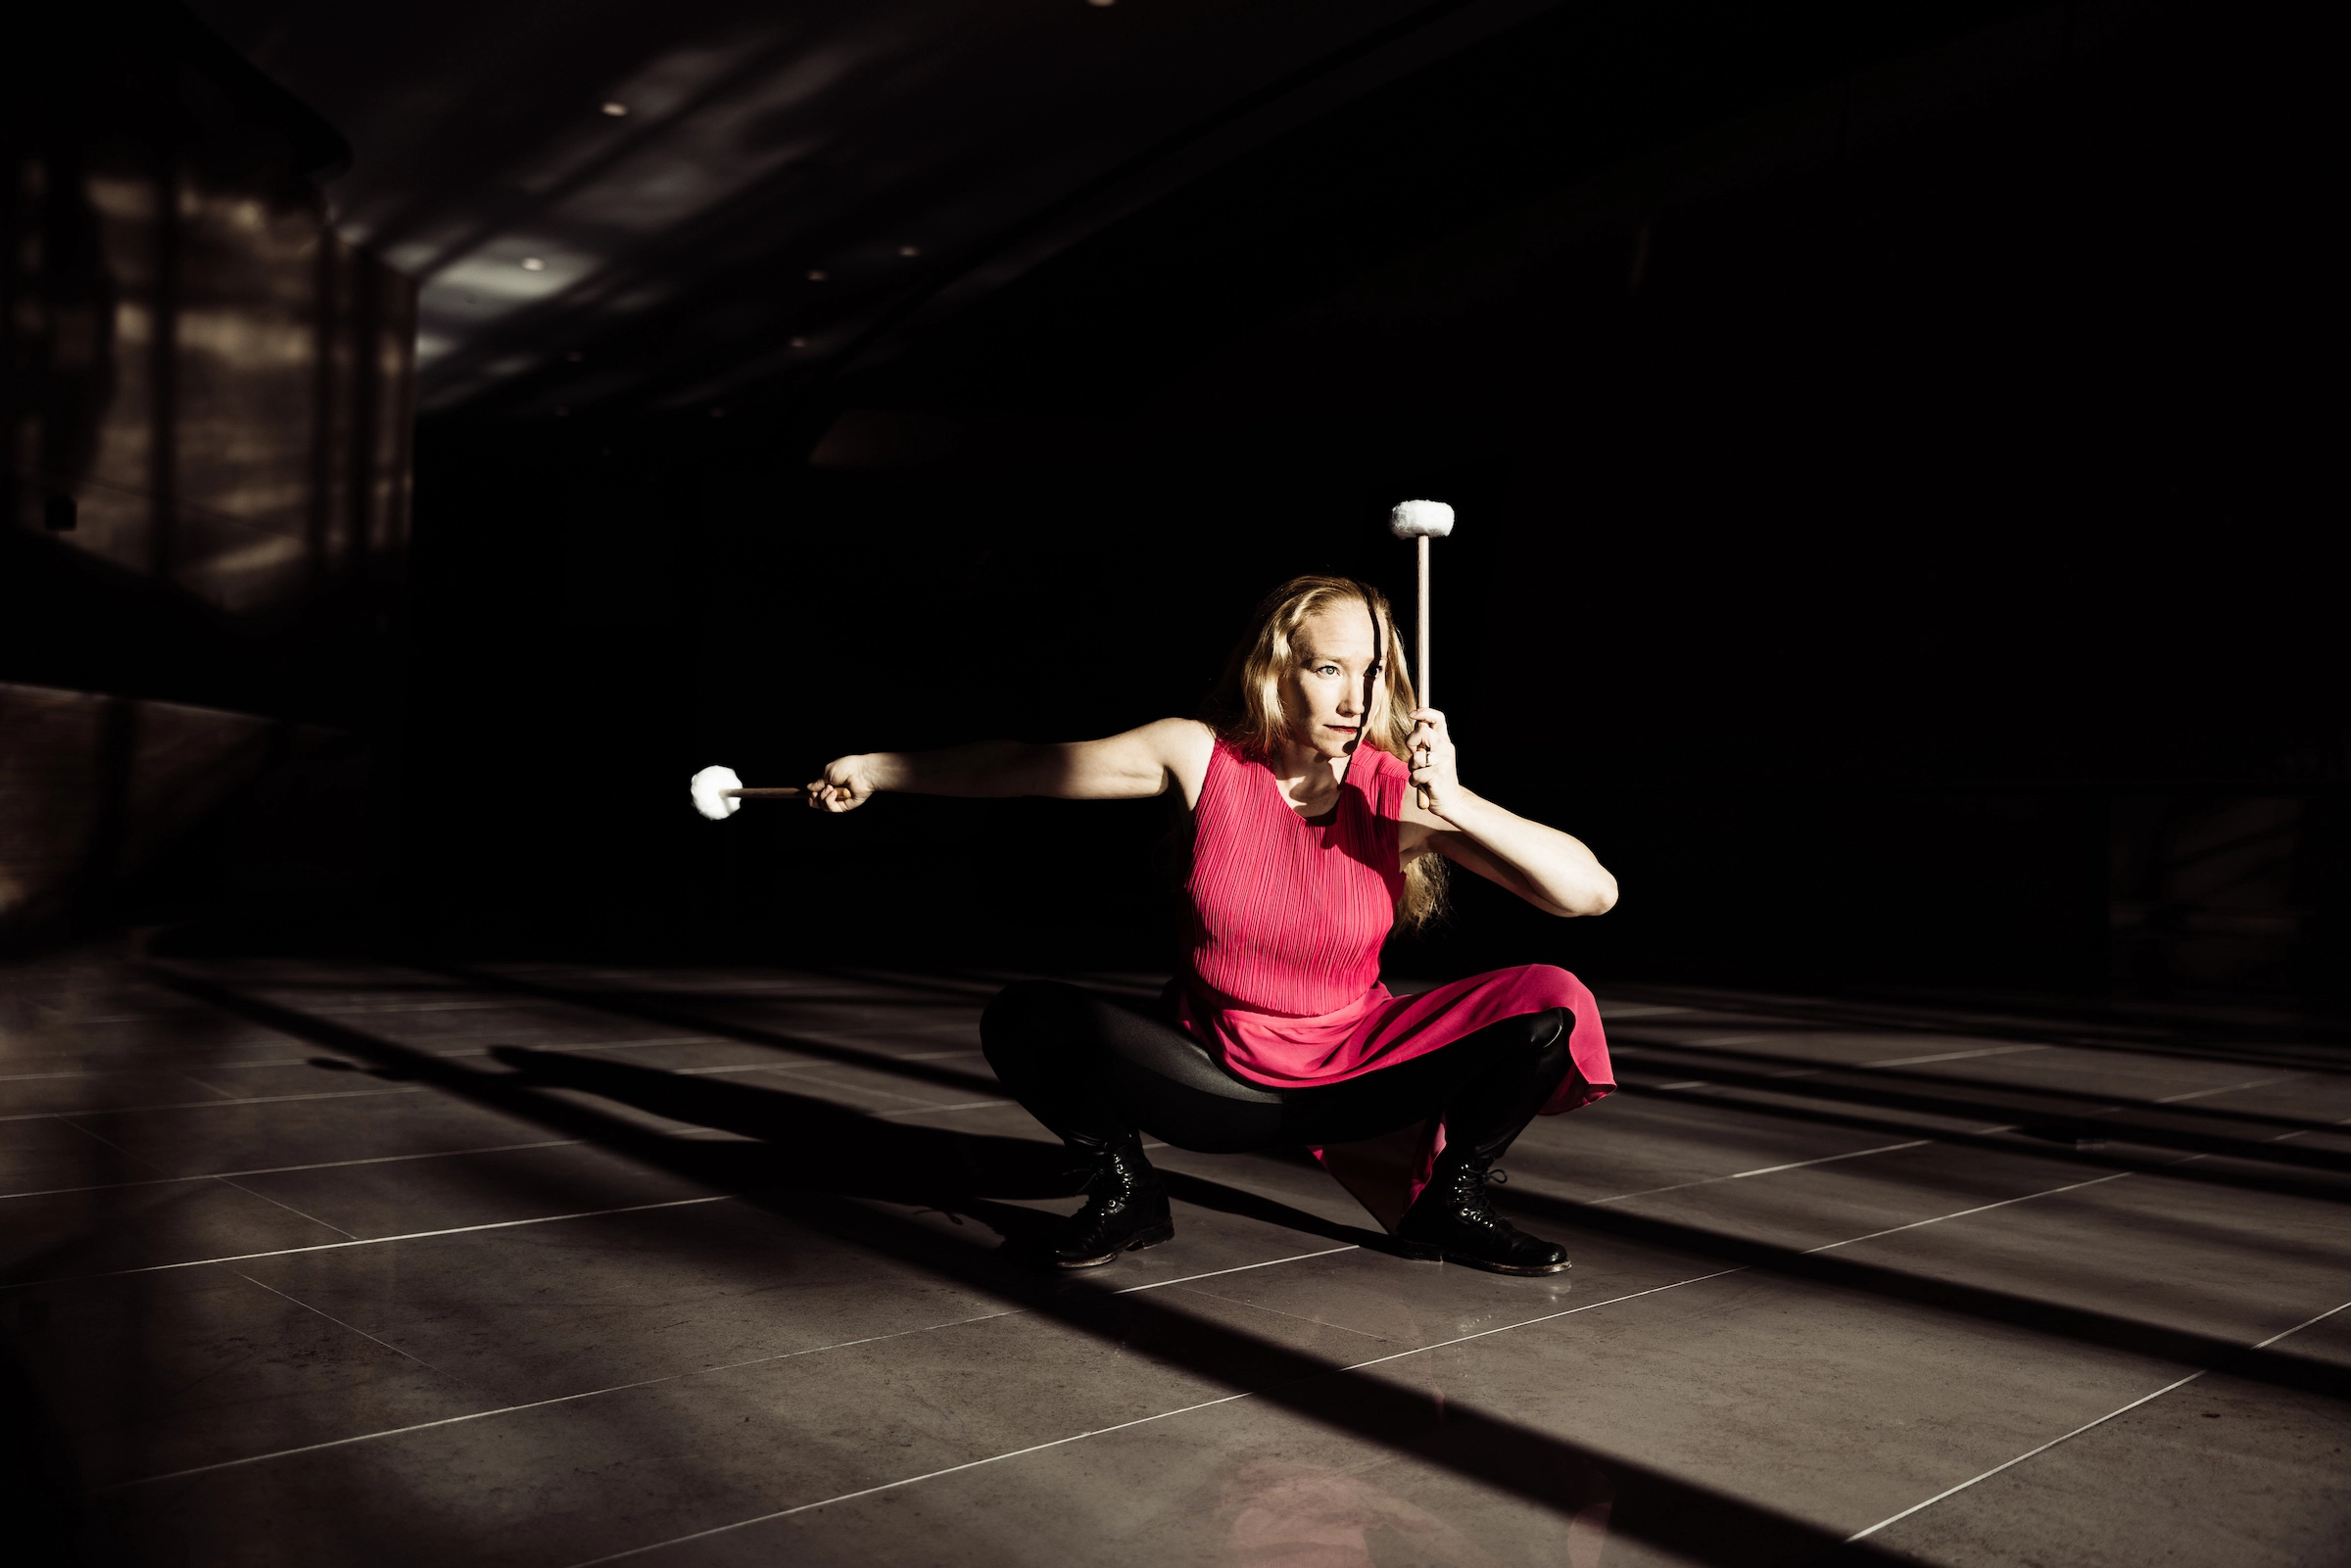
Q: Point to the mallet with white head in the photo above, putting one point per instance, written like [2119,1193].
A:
[718,793]
[1421,521]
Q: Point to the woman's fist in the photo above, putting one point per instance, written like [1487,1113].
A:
[848,784]
[1430,757]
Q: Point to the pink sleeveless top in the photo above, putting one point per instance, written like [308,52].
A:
[1288,918]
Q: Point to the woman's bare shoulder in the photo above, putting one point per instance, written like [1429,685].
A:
[1185,746]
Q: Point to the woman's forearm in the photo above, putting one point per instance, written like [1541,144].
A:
[1554,868]
[983,767]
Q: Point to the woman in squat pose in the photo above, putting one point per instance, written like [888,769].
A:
[1308,846]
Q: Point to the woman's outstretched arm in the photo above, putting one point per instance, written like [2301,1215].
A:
[1549,868]
[1139,763]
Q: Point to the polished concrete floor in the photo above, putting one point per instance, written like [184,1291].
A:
[734,1267]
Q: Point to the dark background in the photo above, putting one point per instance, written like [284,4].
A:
[1895,533]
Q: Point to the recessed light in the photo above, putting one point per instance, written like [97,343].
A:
[817,274]
[533,263]
[616,110]
[910,250]
[800,343]
[1101,2]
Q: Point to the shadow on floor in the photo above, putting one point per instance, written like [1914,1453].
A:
[809,1145]
[1682,1518]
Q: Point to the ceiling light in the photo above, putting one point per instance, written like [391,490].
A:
[800,343]
[616,110]
[1101,2]
[910,250]
[816,274]
[532,264]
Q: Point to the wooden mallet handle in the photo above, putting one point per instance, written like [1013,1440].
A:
[761,794]
[1420,521]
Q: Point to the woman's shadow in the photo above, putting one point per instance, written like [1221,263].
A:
[806,1145]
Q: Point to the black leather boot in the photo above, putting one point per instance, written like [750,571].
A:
[1452,1222]
[1452,1219]
[1125,1207]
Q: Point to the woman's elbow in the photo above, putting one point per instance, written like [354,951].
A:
[1597,899]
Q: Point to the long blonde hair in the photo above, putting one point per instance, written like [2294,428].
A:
[1246,709]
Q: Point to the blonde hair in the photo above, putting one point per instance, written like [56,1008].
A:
[1246,709]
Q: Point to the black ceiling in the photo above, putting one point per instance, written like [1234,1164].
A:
[1057,203]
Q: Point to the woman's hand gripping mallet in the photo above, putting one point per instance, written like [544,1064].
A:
[1421,521]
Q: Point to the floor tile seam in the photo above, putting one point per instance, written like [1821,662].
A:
[2226,1088]
[204,1105]
[531,1405]
[287,1207]
[2070,1111]
[2301,1132]
[908,1481]
[1763,1170]
[1238,1268]
[667,1377]
[306,1061]
[1080,1437]
[279,1170]
[1953,1055]
[797,1070]
[2103,1062]
[925,1110]
[1980,1209]
[366,1241]
[1275,1312]
[339,1323]
[2144,1398]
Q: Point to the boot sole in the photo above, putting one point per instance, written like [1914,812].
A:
[1434,1255]
[1147,1239]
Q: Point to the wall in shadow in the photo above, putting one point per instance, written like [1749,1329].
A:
[207,423]
[1872,503]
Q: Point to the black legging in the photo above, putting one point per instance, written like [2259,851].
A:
[1094,1070]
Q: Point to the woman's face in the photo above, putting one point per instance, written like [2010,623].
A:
[1323,691]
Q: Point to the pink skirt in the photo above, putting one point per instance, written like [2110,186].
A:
[1386,1174]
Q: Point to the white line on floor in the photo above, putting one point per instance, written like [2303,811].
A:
[1694,1083]
[279,1170]
[365,1241]
[1980,1209]
[644,1383]
[1164,1415]
[2199,1094]
[204,1105]
[287,1207]
[332,1318]
[534,1405]
[2076,1432]
[1949,1056]
[1238,1268]
[438,1056]
[1765,1171]
[477,1416]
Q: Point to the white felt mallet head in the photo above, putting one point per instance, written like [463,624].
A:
[1420,519]
[710,793]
